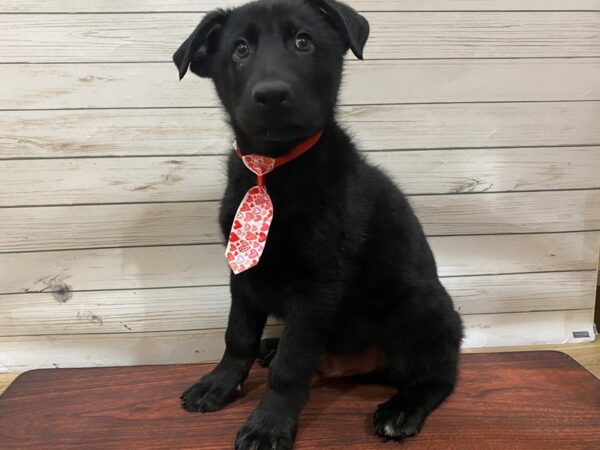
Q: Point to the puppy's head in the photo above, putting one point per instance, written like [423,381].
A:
[276,64]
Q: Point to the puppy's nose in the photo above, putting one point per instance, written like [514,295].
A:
[271,93]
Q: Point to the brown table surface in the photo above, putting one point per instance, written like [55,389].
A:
[522,400]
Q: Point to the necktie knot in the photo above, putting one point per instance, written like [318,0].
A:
[259,164]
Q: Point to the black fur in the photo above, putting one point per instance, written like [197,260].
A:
[347,266]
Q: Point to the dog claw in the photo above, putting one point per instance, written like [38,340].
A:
[207,396]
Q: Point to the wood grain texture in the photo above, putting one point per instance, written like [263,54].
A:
[200,308]
[201,265]
[546,399]
[154,37]
[138,132]
[19,353]
[414,81]
[91,180]
[587,354]
[72,227]
[72,6]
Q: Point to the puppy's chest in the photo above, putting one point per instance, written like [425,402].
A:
[264,290]
[300,250]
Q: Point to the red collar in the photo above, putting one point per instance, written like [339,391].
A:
[297,151]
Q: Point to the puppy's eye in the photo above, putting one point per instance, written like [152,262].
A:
[241,49]
[303,42]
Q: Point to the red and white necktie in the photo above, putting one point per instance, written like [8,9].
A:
[252,221]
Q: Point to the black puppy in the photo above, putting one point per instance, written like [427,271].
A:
[346,264]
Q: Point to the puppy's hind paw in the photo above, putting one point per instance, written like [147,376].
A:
[394,422]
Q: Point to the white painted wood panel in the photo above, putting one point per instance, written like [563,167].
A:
[150,267]
[157,85]
[555,327]
[201,265]
[71,6]
[497,254]
[28,352]
[137,132]
[509,213]
[102,180]
[180,309]
[72,227]
[522,292]
[492,170]
[155,36]
[174,309]
[112,132]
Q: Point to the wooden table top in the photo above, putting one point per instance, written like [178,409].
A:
[522,400]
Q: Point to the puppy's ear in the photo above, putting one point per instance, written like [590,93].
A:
[353,27]
[197,48]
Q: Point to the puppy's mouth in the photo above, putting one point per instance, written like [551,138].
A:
[281,134]
[275,130]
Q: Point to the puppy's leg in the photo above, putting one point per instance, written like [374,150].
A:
[423,367]
[273,424]
[219,387]
[404,414]
[424,378]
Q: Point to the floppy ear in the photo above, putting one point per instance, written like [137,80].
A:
[196,49]
[353,26]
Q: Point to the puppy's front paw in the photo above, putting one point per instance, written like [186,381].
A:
[393,421]
[209,394]
[266,434]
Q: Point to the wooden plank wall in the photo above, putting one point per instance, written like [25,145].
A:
[486,112]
